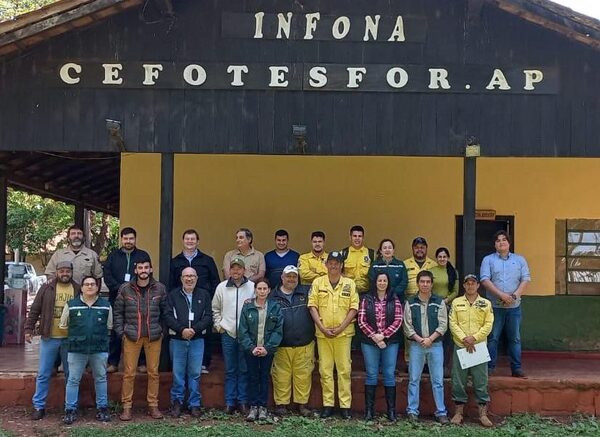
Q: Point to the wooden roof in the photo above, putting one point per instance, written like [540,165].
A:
[89,178]
[64,15]
[54,19]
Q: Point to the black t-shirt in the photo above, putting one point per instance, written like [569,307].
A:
[144,312]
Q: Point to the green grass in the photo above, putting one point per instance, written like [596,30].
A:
[221,426]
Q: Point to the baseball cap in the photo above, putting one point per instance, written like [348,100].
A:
[337,256]
[237,260]
[470,276]
[290,269]
[419,240]
[64,265]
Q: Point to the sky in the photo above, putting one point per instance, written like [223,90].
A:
[587,7]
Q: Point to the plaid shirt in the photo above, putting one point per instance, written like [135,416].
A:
[380,305]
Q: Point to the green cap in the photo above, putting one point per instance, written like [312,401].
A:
[237,260]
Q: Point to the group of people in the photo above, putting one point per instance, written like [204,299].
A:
[270,313]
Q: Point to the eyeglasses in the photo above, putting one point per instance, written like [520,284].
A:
[89,284]
[189,276]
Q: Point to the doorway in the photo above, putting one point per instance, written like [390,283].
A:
[484,232]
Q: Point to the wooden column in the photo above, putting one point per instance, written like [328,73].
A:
[3,230]
[469,198]
[166,215]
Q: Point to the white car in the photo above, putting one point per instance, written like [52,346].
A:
[23,275]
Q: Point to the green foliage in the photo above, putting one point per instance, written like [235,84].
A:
[33,221]
[220,425]
[11,8]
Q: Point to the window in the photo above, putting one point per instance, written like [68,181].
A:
[578,257]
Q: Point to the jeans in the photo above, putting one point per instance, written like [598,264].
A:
[386,358]
[258,378]
[236,372]
[434,356]
[186,357]
[77,363]
[50,348]
[509,320]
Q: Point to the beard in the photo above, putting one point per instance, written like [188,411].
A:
[65,279]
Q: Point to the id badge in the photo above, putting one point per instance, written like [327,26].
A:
[191,316]
[127,277]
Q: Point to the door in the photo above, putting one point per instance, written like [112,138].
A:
[484,234]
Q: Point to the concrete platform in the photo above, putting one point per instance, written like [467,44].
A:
[557,384]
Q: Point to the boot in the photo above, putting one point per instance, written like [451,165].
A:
[370,402]
[459,415]
[155,413]
[126,414]
[483,418]
[390,398]
[176,409]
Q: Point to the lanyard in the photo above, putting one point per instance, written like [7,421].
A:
[128,255]
[189,305]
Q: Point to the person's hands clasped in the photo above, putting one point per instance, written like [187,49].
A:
[426,342]
[469,343]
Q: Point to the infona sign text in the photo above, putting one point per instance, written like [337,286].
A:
[314,76]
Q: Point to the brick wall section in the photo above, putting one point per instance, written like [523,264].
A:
[509,395]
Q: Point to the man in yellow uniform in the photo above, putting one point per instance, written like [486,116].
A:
[358,259]
[471,321]
[417,263]
[311,265]
[333,303]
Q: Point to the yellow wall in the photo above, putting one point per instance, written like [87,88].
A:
[391,197]
[396,197]
[537,191]
[140,200]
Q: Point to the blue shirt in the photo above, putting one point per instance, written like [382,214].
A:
[275,265]
[506,274]
[190,258]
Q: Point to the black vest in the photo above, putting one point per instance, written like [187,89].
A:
[390,312]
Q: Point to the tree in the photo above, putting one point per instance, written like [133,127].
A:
[34,222]
[11,8]
[35,225]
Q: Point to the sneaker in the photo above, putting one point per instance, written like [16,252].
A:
[252,415]
[102,415]
[69,417]
[112,368]
[442,420]
[38,414]
[262,413]
[204,370]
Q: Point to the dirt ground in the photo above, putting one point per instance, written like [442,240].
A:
[17,421]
